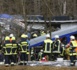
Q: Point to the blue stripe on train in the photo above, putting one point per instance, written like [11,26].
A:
[66,35]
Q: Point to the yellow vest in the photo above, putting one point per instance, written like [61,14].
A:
[74,43]
[24,47]
[48,45]
[8,49]
[14,49]
[74,46]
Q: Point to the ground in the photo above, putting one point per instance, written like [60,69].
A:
[36,68]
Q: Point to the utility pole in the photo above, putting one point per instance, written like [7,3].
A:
[24,14]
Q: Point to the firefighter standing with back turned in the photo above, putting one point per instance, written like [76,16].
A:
[47,47]
[24,49]
[7,49]
[56,47]
[14,50]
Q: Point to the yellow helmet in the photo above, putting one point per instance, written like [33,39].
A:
[7,38]
[42,32]
[24,36]
[34,35]
[13,38]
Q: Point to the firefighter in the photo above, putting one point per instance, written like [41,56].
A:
[32,54]
[47,47]
[32,49]
[64,54]
[24,49]
[14,50]
[40,55]
[67,49]
[56,47]
[42,33]
[34,35]
[72,50]
[7,48]
[62,50]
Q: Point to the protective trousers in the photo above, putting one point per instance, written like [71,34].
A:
[14,58]
[56,55]
[72,59]
[8,59]
[23,58]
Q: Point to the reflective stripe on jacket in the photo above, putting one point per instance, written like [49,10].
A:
[24,46]
[8,49]
[73,46]
[56,46]
[47,46]
[14,48]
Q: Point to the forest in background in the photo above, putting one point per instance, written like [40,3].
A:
[40,7]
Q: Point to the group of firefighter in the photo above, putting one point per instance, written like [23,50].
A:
[13,50]
[51,50]
[56,49]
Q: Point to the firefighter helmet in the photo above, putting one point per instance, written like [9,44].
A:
[7,38]
[24,36]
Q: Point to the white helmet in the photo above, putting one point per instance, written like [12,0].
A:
[56,36]
[32,52]
[41,50]
[47,35]
[11,35]
[72,37]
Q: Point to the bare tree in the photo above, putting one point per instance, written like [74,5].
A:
[24,13]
